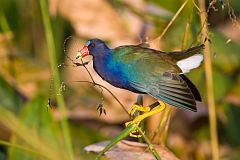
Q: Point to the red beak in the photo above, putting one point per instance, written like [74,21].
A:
[83,52]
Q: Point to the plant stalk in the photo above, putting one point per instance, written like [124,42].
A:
[151,147]
[56,77]
[122,135]
[158,39]
[31,151]
[209,83]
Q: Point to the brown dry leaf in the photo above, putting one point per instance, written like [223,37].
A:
[96,18]
[128,150]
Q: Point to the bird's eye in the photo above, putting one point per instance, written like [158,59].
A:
[91,45]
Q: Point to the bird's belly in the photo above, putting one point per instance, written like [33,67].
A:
[116,77]
[123,85]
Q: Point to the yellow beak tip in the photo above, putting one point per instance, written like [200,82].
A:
[78,56]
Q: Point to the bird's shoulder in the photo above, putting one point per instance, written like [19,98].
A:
[139,53]
[135,58]
[137,49]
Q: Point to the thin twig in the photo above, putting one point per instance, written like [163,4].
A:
[171,22]
[209,83]
[93,83]
[199,32]
[185,34]
[88,72]
[232,15]
[83,64]
[163,125]
[195,5]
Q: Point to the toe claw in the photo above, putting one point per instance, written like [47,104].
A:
[139,113]
[135,132]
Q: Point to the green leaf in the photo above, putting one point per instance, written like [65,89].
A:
[10,97]
[231,129]
[227,55]
[35,116]
[221,84]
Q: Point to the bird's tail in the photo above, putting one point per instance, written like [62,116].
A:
[189,59]
[180,55]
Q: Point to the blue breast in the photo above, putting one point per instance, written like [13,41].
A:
[113,72]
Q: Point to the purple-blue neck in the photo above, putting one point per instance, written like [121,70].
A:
[101,56]
[108,67]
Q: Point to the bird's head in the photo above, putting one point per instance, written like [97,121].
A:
[92,47]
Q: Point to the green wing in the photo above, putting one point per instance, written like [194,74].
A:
[155,74]
[173,90]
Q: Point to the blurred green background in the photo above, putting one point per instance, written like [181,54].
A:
[27,81]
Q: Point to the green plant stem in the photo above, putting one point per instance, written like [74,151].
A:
[162,128]
[145,16]
[125,133]
[152,149]
[122,135]
[209,83]
[158,39]
[4,23]
[56,76]
[186,34]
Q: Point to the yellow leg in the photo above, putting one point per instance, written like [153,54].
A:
[147,112]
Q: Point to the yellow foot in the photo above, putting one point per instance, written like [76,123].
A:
[146,112]
[133,133]
[138,109]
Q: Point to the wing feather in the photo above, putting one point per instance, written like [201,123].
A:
[155,74]
[177,93]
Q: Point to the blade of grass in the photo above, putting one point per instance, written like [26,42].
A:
[35,141]
[56,76]
[186,34]
[209,83]
[4,23]
[122,135]
[125,133]
[157,40]
[5,143]
[162,128]
[150,146]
